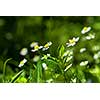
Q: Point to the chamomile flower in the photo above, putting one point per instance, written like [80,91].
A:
[72,42]
[85,30]
[24,51]
[46,46]
[36,48]
[22,62]
[44,66]
[84,63]
[33,44]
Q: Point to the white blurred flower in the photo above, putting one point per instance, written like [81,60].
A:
[90,36]
[72,42]
[82,50]
[24,51]
[22,62]
[36,48]
[33,44]
[96,48]
[48,55]
[49,81]
[83,63]
[96,55]
[36,58]
[85,30]
[47,45]
[44,66]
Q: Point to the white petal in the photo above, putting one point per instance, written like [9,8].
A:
[24,51]
[44,66]
[83,63]
[33,44]
[82,50]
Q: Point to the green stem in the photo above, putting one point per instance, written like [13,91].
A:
[4,69]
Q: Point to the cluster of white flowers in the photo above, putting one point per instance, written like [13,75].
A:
[74,40]
[35,46]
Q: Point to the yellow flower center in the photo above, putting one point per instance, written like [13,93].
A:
[36,47]
[85,28]
[46,46]
[72,41]
[21,62]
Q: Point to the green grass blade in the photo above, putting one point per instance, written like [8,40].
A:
[16,76]
[4,68]
[39,72]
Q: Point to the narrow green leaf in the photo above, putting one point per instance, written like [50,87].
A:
[16,76]
[61,50]
[39,72]
[4,68]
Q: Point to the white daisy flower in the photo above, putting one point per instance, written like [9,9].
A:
[85,30]
[22,62]
[44,66]
[82,50]
[72,42]
[24,51]
[46,46]
[36,48]
[33,44]
[83,63]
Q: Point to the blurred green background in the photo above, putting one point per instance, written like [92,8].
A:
[17,32]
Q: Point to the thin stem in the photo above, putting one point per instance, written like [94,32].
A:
[4,69]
